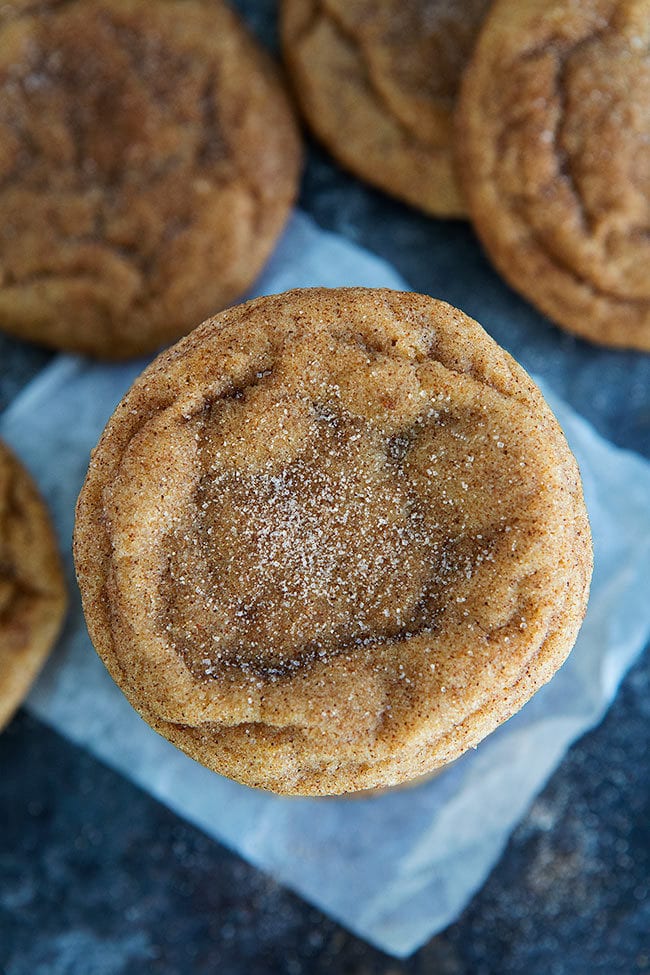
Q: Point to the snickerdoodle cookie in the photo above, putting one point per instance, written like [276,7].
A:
[377,81]
[554,152]
[331,539]
[148,160]
[32,591]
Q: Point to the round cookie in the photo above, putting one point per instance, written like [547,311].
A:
[149,158]
[553,134]
[377,81]
[32,591]
[331,539]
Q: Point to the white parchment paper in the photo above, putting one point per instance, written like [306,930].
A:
[397,868]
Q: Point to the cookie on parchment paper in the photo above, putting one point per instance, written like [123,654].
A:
[332,539]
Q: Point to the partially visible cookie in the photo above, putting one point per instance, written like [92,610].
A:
[331,539]
[554,150]
[149,158]
[377,81]
[32,591]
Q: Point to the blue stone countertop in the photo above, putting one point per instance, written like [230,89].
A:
[97,878]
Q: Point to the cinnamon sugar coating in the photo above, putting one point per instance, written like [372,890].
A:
[331,539]
[32,591]
[554,153]
[377,81]
[148,161]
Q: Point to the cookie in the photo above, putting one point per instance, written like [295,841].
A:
[331,539]
[149,158]
[554,151]
[32,591]
[377,82]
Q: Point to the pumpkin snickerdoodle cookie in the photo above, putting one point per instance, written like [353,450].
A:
[377,81]
[331,539]
[554,153]
[32,591]
[148,161]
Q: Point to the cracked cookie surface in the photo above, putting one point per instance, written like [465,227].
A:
[377,81]
[331,539]
[32,591]
[148,161]
[554,153]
